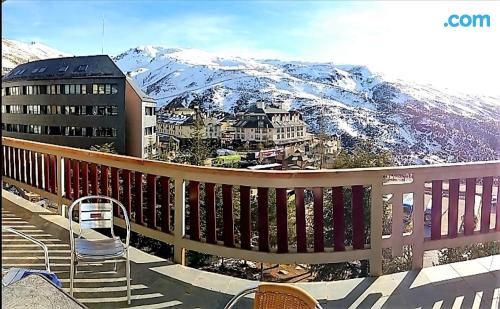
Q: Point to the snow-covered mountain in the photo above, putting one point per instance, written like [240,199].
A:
[17,52]
[418,122]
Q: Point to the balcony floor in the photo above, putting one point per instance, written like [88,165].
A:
[157,283]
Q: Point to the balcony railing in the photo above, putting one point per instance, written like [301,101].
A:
[165,198]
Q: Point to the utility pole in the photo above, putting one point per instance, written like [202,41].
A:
[102,37]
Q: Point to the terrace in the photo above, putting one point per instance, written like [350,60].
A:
[178,205]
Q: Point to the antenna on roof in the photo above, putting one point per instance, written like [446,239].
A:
[102,38]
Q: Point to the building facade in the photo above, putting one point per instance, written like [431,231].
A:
[180,124]
[261,124]
[77,102]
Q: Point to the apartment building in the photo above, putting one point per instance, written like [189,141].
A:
[262,124]
[77,102]
[182,126]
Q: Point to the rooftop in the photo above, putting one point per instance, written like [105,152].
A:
[67,67]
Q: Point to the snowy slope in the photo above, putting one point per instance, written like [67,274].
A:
[419,123]
[17,52]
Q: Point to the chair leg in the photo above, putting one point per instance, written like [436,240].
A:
[127,266]
[71,273]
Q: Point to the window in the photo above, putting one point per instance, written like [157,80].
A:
[150,111]
[101,89]
[94,88]
[42,69]
[101,110]
[108,89]
[82,68]
[66,89]
[34,70]
[43,89]
[72,89]
[148,131]
[54,130]
[63,69]
[84,89]
[77,89]
[114,89]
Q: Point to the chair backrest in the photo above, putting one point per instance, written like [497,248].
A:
[277,296]
[96,215]
[280,296]
[96,211]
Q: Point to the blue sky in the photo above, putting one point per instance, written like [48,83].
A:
[401,39]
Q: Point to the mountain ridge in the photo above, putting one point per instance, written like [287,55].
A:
[419,123]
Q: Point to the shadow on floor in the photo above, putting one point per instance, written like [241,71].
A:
[151,289]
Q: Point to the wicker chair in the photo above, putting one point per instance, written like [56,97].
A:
[277,296]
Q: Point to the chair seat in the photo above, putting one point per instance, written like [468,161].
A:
[99,249]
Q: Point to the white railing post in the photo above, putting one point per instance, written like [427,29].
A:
[59,176]
[397,224]
[376,228]
[418,223]
[180,221]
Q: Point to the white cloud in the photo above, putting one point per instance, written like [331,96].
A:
[408,40]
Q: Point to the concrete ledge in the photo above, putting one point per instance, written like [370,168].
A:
[10,198]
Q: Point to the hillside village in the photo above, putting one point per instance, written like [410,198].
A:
[262,137]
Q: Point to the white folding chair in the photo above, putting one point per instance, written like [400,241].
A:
[96,211]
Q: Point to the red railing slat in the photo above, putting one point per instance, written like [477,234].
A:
[453,197]
[93,179]
[33,168]
[318,218]
[486,204]
[85,179]
[358,225]
[22,165]
[139,218]
[12,171]
[437,189]
[300,218]
[165,204]
[263,218]
[47,172]
[53,174]
[245,218]
[67,178]
[27,160]
[281,220]
[16,164]
[115,188]
[227,215]
[127,191]
[4,161]
[470,193]
[338,219]
[104,180]
[40,171]
[151,182]
[76,179]
[210,211]
[194,210]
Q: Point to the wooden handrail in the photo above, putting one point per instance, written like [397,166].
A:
[47,175]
